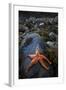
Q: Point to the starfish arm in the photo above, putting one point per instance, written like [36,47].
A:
[31,56]
[44,57]
[48,61]
[34,61]
[31,64]
[29,67]
[42,63]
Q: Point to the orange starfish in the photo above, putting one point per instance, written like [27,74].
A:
[37,57]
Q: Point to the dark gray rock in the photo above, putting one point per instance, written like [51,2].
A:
[51,20]
[52,44]
[39,20]
[23,28]
[41,25]
[56,19]
[53,36]
[32,19]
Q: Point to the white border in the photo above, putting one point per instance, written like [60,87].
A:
[14,46]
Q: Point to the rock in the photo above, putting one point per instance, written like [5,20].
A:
[28,46]
[53,36]
[23,28]
[32,19]
[52,44]
[41,25]
[46,21]
[51,20]
[56,20]
[21,19]
[39,20]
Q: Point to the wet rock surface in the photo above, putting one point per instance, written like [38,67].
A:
[28,46]
[38,29]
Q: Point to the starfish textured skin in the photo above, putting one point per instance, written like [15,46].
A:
[37,57]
